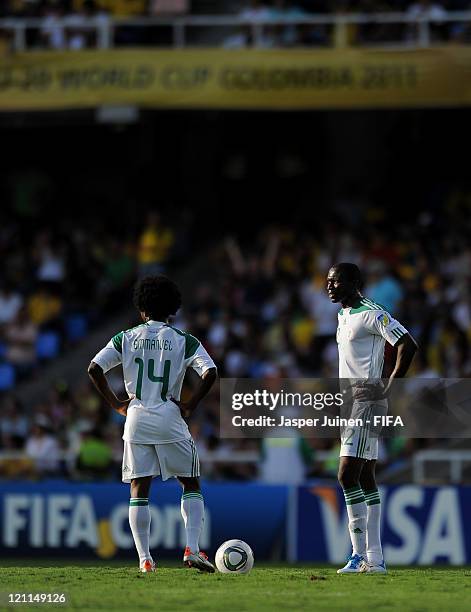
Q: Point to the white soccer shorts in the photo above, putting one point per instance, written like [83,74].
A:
[167,460]
[362,441]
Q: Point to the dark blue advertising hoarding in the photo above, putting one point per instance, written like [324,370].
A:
[420,525]
[79,519]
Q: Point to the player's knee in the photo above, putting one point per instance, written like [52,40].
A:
[190,485]
[140,487]
[346,478]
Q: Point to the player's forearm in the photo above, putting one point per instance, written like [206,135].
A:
[206,382]
[98,378]
[406,349]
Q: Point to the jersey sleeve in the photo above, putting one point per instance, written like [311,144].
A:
[196,356]
[111,355]
[383,324]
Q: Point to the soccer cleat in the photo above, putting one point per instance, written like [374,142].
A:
[374,568]
[198,560]
[354,565]
[147,566]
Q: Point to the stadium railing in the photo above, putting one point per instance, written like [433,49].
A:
[454,458]
[105,26]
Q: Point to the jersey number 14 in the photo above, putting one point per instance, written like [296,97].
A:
[164,379]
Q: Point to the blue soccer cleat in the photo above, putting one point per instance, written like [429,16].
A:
[354,565]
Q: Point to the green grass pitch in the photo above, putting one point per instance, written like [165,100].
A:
[120,587]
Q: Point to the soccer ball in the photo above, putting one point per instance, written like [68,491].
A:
[234,557]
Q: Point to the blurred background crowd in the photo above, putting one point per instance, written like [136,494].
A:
[247,211]
[258,305]
[58,281]
[79,14]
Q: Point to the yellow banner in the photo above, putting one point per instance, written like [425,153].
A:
[216,78]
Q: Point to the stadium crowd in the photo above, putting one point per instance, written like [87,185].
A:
[81,14]
[48,276]
[262,311]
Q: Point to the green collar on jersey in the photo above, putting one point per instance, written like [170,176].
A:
[363,304]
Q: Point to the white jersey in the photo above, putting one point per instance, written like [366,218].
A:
[361,334]
[155,357]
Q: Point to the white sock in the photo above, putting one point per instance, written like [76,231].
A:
[139,521]
[356,510]
[373,527]
[192,508]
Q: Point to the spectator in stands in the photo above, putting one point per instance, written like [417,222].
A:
[44,306]
[51,263]
[52,32]
[119,270]
[427,8]
[62,408]
[82,15]
[324,315]
[450,351]
[286,35]
[43,448]
[254,12]
[80,31]
[434,11]
[154,246]
[20,336]
[382,287]
[13,424]
[285,460]
[10,303]
[94,455]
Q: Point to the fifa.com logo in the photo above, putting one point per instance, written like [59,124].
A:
[282,399]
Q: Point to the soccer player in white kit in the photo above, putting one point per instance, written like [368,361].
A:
[363,328]
[155,357]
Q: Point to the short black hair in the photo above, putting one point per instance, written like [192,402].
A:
[350,272]
[157,296]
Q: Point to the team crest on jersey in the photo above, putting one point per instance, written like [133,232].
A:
[384,319]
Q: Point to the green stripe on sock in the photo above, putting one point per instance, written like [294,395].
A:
[354,495]
[192,494]
[353,489]
[138,502]
[372,497]
[354,500]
